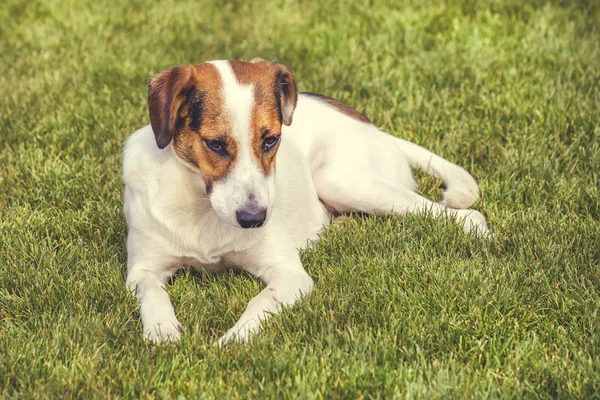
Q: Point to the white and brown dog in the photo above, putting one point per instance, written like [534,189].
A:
[223,178]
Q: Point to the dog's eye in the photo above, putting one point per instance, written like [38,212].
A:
[269,143]
[218,146]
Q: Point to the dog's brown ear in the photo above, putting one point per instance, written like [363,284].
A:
[164,100]
[286,92]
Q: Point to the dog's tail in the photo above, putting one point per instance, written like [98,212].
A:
[460,188]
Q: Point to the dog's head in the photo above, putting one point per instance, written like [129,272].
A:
[223,119]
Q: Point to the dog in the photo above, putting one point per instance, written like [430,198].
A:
[223,178]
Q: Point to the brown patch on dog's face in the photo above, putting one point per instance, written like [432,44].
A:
[275,97]
[341,107]
[186,106]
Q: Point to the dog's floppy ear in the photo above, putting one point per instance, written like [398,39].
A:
[286,92]
[164,100]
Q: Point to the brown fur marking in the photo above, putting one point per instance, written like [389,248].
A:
[195,93]
[267,110]
[341,107]
[186,106]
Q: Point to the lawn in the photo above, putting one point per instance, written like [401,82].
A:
[403,307]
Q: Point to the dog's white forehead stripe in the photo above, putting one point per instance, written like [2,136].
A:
[239,101]
[246,177]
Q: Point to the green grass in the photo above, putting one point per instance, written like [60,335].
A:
[402,307]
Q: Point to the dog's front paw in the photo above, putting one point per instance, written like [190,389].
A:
[473,222]
[240,333]
[163,332]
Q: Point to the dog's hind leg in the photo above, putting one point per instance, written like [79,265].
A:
[364,191]
[461,189]
[276,262]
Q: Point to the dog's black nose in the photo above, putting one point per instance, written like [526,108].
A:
[251,218]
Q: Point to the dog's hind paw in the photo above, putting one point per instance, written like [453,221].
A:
[473,222]
[462,190]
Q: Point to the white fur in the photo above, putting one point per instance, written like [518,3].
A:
[325,157]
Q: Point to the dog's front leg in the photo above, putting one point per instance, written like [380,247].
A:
[285,279]
[158,316]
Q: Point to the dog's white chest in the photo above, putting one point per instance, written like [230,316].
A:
[207,239]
